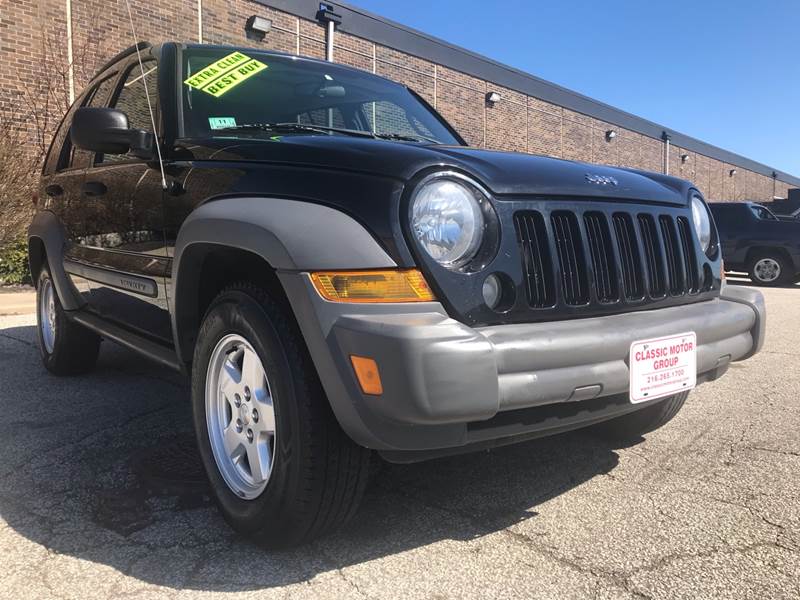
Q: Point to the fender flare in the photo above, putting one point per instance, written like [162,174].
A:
[47,229]
[290,235]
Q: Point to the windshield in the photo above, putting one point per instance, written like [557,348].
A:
[227,93]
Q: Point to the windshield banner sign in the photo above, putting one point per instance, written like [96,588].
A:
[225,74]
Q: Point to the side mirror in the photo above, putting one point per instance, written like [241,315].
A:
[106,130]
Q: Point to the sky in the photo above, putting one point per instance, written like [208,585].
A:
[724,71]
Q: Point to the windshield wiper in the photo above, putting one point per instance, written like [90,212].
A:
[303,128]
[407,138]
[295,127]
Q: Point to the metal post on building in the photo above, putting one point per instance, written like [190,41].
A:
[326,15]
[70,57]
[331,20]
[666,137]
[200,21]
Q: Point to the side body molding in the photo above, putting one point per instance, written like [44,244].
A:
[47,229]
[291,235]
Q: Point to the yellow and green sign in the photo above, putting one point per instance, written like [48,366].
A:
[225,74]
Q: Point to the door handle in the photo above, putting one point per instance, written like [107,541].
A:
[53,190]
[94,188]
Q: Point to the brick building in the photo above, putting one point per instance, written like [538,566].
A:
[532,115]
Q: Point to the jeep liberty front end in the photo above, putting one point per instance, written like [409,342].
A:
[339,274]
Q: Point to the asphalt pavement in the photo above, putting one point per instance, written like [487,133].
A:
[102,495]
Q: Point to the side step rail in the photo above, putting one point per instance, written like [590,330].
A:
[152,350]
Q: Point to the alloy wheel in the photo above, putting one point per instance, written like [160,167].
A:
[240,416]
[767,270]
[47,315]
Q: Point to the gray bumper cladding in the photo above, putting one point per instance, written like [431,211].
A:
[441,375]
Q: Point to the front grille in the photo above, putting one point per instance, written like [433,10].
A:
[577,259]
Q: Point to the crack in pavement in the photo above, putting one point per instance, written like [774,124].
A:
[82,439]
[772,450]
[339,570]
[20,340]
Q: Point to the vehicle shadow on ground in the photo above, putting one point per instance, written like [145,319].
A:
[104,468]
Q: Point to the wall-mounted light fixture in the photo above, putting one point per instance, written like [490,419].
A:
[493,98]
[684,158]
[732,172]
[257,27]
[610,135]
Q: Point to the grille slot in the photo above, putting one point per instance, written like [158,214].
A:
[630,261]
[689,262]
[602,255]
[567,237]
[652,254]
[674,269]
[536,260]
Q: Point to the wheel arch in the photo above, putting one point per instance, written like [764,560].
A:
[755,251]
[46,245]
[234,238]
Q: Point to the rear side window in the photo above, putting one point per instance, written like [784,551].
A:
[762,213]
[62,155]
[97,98]
[724,215]
[132,100]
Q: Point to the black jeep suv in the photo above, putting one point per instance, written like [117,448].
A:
[338,273]
[754,240]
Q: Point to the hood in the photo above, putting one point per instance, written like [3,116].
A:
[503,173]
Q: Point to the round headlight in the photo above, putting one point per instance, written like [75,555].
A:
[702,222]
[447,220]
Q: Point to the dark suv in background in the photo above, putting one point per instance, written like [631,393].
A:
[339,274]
[754,240]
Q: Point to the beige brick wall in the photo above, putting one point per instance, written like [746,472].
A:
[518,123]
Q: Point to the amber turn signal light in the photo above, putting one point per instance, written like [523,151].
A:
[400,285]
[369,378]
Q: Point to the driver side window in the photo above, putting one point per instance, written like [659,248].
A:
[132,100]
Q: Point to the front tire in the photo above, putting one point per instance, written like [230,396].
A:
[769,269]
[636,424]
[281,469]
[66,347]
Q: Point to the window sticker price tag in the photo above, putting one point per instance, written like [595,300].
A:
[225,74]
[221,122]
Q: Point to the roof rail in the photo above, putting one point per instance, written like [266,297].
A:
[127,52]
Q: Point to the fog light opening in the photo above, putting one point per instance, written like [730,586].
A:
[492,291]
[498,292]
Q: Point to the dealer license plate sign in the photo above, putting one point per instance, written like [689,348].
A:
[663,366]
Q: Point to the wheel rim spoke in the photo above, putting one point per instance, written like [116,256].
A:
[252,372]
[260,459]
[233,441]
[230,380]
[266,415]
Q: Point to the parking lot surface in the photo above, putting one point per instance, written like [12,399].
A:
[102,495]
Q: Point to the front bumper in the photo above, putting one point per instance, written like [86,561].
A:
[446,385]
